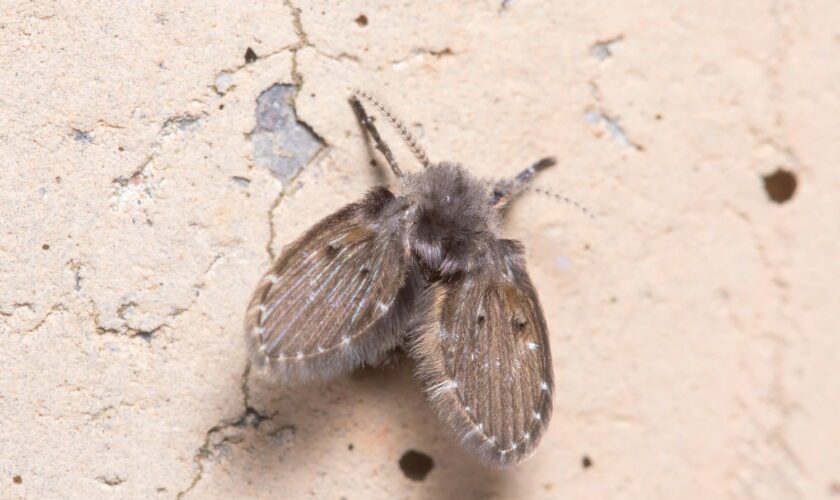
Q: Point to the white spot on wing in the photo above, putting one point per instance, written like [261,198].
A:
[300,355]
[383,307]
[544,386]
[508,271]
[537,416]
[441,388]
[532,346]
[345,340]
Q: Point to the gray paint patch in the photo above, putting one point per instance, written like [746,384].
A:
[82,136]
[602,50]
[282,143]
[223,83]
[616,131]
[185,122]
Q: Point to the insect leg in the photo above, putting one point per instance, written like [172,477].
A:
[370,128]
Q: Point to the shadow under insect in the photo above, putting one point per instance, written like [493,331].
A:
[377,418]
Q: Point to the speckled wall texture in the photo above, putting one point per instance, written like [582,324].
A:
[154,156]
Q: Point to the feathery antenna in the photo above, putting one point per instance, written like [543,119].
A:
[563,199]
[406,135]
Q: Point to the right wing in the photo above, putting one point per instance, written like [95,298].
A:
[481,346]
[332,300]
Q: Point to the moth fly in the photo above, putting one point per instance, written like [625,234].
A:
[423,268]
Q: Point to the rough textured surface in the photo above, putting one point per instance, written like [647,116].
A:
[694,326]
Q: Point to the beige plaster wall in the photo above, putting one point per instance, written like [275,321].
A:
[694,325]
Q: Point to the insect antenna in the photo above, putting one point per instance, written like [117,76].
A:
[373,133]
[406,135]
[564,199]
[506,190]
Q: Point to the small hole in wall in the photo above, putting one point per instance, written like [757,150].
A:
[362,20]
[45,247]
[780,185]
[586,462]
[250,55]
[17,480]
[221,106]
[147,336]
[350,447]
[416,465]
[658,117]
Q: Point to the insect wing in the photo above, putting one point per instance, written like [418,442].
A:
[318,312]
[481,346]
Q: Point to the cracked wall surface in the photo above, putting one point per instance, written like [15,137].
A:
[155,156]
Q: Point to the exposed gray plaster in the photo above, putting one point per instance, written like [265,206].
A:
[282,143]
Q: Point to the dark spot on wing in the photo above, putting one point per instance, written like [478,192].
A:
[332,249]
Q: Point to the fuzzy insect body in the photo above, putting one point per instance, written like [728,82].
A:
[423,268]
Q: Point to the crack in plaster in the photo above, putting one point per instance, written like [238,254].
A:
[148,333]
[110,480]
[54,309]
[124,329]
[597,115]
[787,465]
[303,41]
[420,52]
[249,417]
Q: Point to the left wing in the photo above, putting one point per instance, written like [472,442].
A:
[336,297]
